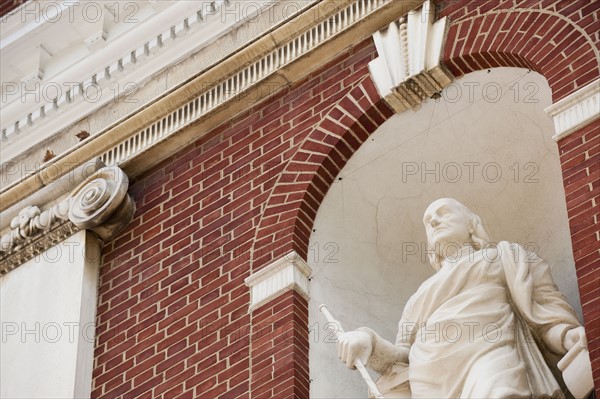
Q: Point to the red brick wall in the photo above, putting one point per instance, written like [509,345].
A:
[302,185]
[280,348]
[580,159]
[558,39]
[7,6]
[173,314]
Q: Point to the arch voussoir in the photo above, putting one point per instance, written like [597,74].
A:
[316,163]
[540,40]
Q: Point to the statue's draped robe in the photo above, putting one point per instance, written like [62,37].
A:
[466,329]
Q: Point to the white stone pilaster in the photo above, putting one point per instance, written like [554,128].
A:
[49,264]
[47,316]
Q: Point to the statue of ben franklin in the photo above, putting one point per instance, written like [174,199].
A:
[506,324]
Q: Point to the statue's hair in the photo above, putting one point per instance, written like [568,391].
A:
[479,237]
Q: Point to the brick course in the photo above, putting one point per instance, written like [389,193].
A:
[558,39]
[581,178]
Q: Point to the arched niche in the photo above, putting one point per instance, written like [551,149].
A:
[488,143]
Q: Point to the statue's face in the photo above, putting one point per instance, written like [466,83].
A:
[446,224]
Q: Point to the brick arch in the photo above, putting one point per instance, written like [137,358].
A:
[556,43]
[490,34]
[293,203]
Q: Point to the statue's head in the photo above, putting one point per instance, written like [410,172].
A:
[450,223]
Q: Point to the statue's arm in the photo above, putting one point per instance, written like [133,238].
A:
[555,337]
[540,302]
[559,328]
[550,301]
[385,354]
[376,352]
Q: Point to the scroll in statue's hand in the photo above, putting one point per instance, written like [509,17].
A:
[575,365]
[573,337]
[354,345]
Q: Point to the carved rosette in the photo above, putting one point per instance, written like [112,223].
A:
[99,204]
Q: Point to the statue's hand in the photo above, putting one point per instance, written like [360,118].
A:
[354,345]
[573,336]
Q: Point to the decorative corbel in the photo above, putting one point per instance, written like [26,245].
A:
[100,204]
[408,69]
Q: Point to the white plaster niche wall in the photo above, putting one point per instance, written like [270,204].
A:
[488,143]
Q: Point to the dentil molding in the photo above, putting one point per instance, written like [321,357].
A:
[289,272]
[408,69]
[102,78]
[100,204]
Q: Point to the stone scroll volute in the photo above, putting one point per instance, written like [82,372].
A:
[100,203]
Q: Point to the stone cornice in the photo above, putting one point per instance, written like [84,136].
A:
[275,61]
[576,110]
[76,90]
[115,73]
[100,204]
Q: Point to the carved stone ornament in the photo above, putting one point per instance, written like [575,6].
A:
[100,204]
[408,69]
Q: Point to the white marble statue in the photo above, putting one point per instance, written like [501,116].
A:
[490,323]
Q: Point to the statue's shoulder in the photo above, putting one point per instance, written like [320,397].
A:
[494,251]
[502,251]
[516,253]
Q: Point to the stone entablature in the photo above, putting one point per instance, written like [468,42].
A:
[124,75]
[46,92]
[276,60]
[99,204]
[53,54]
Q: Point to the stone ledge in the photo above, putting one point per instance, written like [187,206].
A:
[576,110]
[289,272]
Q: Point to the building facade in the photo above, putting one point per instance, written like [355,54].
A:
[184,149]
